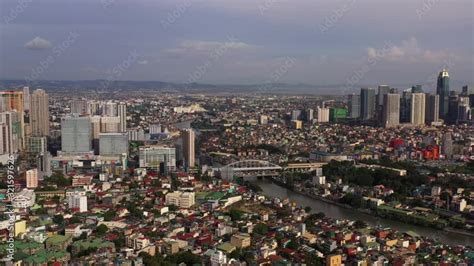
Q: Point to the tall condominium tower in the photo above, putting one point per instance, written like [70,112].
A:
[391,110]
[353,104]
[26,98]
[382,91]
[122,113]
[432,108]
[442,89]
[188,147]
[417,113]
[367,103]
[39,113]
[13,101]
[76,134]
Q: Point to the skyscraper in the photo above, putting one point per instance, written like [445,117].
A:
[367,103]
[417,114]
[382,91]
[188,147]
[13,101]
[122,113]
[26,98]
[39,113]
[10,132]
[442,89]
[353,104]
[432,108]
[76,134]
[405,106]
[464,110]
[309,115]
[391,110]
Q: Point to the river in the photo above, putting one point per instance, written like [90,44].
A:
[273,190]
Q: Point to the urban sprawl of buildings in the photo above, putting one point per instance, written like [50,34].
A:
[151,178]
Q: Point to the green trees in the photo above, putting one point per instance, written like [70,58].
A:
[235,214]
[260,229]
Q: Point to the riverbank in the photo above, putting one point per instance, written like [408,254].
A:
[369,212]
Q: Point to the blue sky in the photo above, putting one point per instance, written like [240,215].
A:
[238,41]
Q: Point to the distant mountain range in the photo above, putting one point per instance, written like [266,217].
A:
[119,85]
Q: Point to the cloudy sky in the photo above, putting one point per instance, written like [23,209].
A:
[317,42]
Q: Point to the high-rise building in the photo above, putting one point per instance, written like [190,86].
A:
[36,145]
[110,109]
[417,114]
[442,89]
[43,161]
[323,114]
[14,101]
[79,106]
[337,114]
[113,144]
[367,103]
[353,104]
[94,107]
[188,147]
[76,134]
[110,124]
[39,113]
[391,110]
[464,110]
[447,145]
[32,178]
[122,113]
[26,98]
[453,103]
[10,140]
[309,115]
[405,106]
[158,157]
[296,115]
[382,91]
[432,108]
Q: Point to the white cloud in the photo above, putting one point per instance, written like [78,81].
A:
[38,43]
[409,51]
[142,62]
